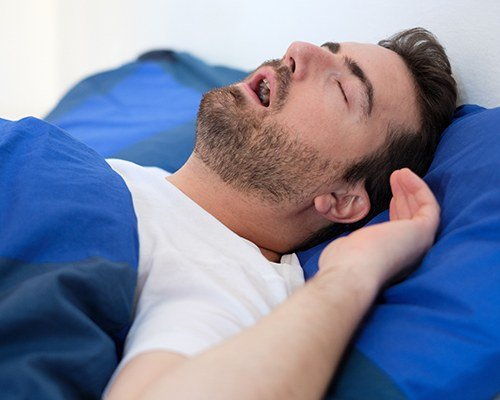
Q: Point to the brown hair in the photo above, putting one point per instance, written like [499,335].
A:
[436,99]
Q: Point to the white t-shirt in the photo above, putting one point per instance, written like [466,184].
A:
[199,283]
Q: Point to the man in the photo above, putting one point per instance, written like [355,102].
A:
[302,146]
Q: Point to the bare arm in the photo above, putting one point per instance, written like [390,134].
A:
[293,352]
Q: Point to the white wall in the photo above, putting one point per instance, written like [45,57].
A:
[48,45]
[29,63]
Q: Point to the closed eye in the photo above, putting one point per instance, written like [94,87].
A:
[343,93]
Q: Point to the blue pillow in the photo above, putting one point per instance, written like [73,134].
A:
[68,264]
[437,334]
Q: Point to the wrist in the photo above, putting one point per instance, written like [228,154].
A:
[361,287]
[350,262]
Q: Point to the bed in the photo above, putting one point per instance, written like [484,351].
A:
[69,248]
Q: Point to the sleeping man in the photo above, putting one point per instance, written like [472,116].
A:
[306,146]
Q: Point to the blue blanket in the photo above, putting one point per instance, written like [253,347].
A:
[68,260]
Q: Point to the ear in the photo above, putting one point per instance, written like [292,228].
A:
[347,204]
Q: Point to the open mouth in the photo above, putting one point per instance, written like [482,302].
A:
[263,92]
[261,85]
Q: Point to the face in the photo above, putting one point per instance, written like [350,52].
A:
[290,129]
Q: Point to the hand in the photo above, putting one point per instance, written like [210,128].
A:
[385,250]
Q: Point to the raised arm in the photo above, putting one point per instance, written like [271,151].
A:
[293,352]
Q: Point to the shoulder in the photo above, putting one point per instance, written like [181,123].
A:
[132,172]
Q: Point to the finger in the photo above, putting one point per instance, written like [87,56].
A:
[400,200]
[412,201]
[415,186]
[420,198]
[393,213]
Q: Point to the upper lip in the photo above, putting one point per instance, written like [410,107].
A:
[253,82]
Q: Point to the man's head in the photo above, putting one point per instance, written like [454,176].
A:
[325,126]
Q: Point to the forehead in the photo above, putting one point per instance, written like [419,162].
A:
[394,89]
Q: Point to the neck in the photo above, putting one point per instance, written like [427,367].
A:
[268,227]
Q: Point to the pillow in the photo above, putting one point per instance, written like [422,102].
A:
[144,111]
[68,260]
[436,335]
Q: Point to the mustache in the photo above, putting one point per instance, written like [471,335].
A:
[274,63]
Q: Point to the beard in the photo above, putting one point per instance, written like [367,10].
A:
[253,153]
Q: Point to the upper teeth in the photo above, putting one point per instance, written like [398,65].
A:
[264,91]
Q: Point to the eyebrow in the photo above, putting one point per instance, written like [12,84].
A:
[356,70]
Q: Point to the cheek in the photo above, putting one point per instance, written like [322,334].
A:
[324,123]
[312,118]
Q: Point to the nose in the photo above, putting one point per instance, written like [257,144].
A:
[305,58]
